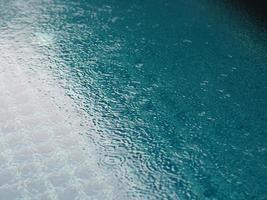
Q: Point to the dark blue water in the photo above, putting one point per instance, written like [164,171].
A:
[176,90]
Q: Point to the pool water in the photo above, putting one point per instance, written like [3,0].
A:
[132,100]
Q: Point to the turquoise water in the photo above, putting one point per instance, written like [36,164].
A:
[173,96]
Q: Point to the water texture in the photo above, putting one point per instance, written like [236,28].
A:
[132,100]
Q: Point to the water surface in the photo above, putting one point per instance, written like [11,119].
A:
[132,100]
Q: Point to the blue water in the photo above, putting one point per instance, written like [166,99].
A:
[176,90]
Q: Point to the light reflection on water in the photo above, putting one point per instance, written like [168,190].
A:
[120,100]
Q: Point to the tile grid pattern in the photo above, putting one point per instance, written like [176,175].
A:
[43,155]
